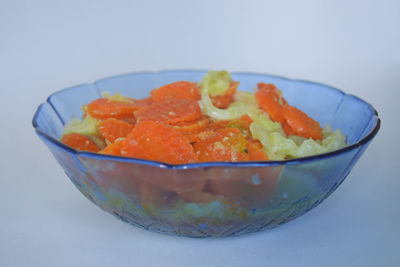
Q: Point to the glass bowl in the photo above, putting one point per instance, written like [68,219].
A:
[209,199]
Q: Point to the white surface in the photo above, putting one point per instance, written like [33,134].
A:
[46,46]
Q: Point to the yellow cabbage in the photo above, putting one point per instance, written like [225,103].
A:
[279,147]
[87,126]
[216,82]
[234,111]
[116,98]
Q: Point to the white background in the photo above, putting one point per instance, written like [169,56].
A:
[48,45]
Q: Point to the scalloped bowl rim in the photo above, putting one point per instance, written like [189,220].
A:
[368,136]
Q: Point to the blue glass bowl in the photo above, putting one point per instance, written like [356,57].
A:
[209,199]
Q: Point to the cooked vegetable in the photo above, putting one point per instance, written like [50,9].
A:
[112,129]
[216,82]
[87,126]
[176,90]
[156,141]
[185,122]
[104,108]
[279,147]
[80,142]
[301,124]
[224,145]
[171,112]
[270,99]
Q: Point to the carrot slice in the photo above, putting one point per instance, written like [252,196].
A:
[242,123]
[287,129]
[103,108]
[270,99]
[225,145]
[156,141]
[223,101]
[171,112]
[80,142]
[176,90]
[112,129]
[218,124]
[141,103]
[199,136]
[113,149]
[301,123]
[271,89]
[256,153]
[255,142]
[189,127]
[192,129]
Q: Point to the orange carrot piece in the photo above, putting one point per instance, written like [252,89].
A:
[171,112]
[156,141]
[271,101]
[287,129]
[113,149]
[271,89]
[194,137]
[141,103]
[242,123]
[176,91]
[223,101]
[225,145]
[218,124]
[80,142]
[301,123]
[190,127]
[103,108]
[255,142]
[112,129]
[256,153]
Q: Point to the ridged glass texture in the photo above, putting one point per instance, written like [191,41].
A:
[209,199]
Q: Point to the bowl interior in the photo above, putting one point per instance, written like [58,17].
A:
[354,117]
